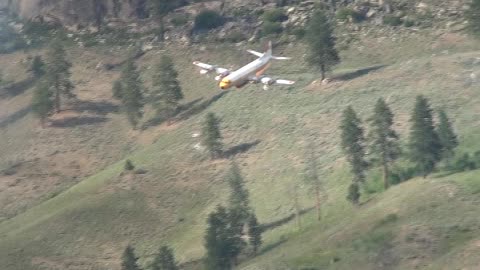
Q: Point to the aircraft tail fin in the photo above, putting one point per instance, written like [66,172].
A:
[268,53]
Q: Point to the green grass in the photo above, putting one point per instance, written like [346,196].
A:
[91,223]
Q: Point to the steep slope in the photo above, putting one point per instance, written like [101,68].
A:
[88,225]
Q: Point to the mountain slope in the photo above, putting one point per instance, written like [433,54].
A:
[89,225]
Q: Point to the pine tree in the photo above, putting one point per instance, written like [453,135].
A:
[165,260]
[160,9]
[166,92]
[473,17]
[132,96]
[424,145]
[38,67]
[42,103]
[313,179]
[239,202]
[58,73]
[223,245]
[254,233]
[117,89]
[212,136]
[446,135]
[129,260]
[353,146]
[321,43]
[384,140]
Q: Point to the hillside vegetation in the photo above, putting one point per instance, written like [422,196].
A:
[68,204]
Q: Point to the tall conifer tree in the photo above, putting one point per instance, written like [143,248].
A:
[424,144]
[446,136]
[58,73]
[212,136]
[42,103]
[166,91]
[353,145]
[384,140]
[321,43]
[132,93]
[254,233]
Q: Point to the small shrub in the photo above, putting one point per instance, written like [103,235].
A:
[298,32]
[208,19]
[392,20]
[408,23]
[129,165]
[344,14]
[390,218]
[271,28]
[274,15]
[464,163]
[476,159]
[179,20]
[399,175]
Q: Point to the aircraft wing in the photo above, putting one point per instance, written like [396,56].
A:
[207,68]
[267,81]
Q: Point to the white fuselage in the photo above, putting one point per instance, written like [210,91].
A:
[240,76]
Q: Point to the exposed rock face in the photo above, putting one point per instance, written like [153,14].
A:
[70,12]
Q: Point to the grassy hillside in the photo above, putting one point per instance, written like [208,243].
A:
[425,223]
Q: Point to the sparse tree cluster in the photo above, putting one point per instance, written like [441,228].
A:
[54,82]
[428,143]
[164,96]
[224,239]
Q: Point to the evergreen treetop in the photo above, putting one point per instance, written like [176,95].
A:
[384,140]
[166,92]
[424,144]
[321,43]
[212,136]
[38,66]
[446,135]
[254,233]
[129,260]
[353,143]
[165,260]
[132,93]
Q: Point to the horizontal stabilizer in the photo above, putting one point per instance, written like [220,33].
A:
[280,58]
[259,54]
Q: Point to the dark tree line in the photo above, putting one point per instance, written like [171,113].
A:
[428,143]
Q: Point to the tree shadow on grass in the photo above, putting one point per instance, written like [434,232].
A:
[357,73]
[69,122]
[17,88]
[283,221]
[198,108]
[96,107]
[15,116]
[272,246]
[160,119]
[241,148]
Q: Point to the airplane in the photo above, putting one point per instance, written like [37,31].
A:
[250,73]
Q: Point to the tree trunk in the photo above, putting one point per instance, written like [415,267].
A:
[57,100]
[317,205]
[322,71]
[297,208]
[386,176]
